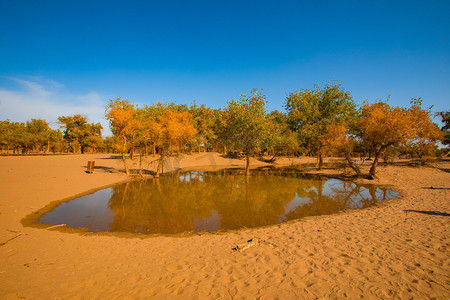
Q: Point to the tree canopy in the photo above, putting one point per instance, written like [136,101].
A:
[244,123]
[313,113]
[80,134]
[34,135]
[445,115]
[322,121]
[382,126]
[123,124]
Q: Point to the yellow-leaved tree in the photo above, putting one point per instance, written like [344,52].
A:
[382,126]
[175,131]
[124,125]
[337,141]
[426,132]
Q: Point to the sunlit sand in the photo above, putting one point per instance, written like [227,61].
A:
[398,249]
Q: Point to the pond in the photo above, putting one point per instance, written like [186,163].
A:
[194,201]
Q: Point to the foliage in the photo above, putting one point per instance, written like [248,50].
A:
[279,138]
[445,115]
[426,133]
[34,135]
[150,117]
[244,123]
[166,127]
[15,136]
[80,134]
[176,130]
[124,126]
[382,126]
[321,121]
[311,113]
[204,120]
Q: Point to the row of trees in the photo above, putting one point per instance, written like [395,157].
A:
[32,136]
[322,121]
[165,128]
[36,136]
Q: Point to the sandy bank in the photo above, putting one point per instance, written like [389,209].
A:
[397,250]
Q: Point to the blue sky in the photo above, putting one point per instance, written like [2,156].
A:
[66,57]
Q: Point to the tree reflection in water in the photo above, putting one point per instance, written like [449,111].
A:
[216,200]
[228,199]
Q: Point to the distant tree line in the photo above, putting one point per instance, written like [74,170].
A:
[323,121]
[36,136]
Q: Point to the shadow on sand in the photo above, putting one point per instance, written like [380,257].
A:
[431,213]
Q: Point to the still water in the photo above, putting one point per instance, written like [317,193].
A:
[188,202]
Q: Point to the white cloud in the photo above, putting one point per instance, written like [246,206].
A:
[45,99]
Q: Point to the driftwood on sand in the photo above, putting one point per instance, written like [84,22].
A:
[252,242]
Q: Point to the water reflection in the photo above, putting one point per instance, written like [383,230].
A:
[215,200]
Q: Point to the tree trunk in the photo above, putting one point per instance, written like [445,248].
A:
[320,159]
[140,164]
[78,149]
[160,164]
[125,163]
[352,165]
[124,147]
[247,165]
[375,162]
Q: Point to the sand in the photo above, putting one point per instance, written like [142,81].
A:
[395,250]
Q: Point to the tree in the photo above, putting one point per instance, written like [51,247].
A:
[340,140]
[38,129]
[150,116]
[279,138]
[80,134]
[15,136]
[123,124]
[204,120]
[166,127]
[175,131]
[426,134]
[244,124]
[383,126]
[312,112]
[445,115]
[34,135]
[42,136]
[4,133]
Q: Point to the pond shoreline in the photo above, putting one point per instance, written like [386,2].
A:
[272,195]
[396,250]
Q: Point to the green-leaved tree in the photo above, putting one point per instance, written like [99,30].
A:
[244,123]
[311,113]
